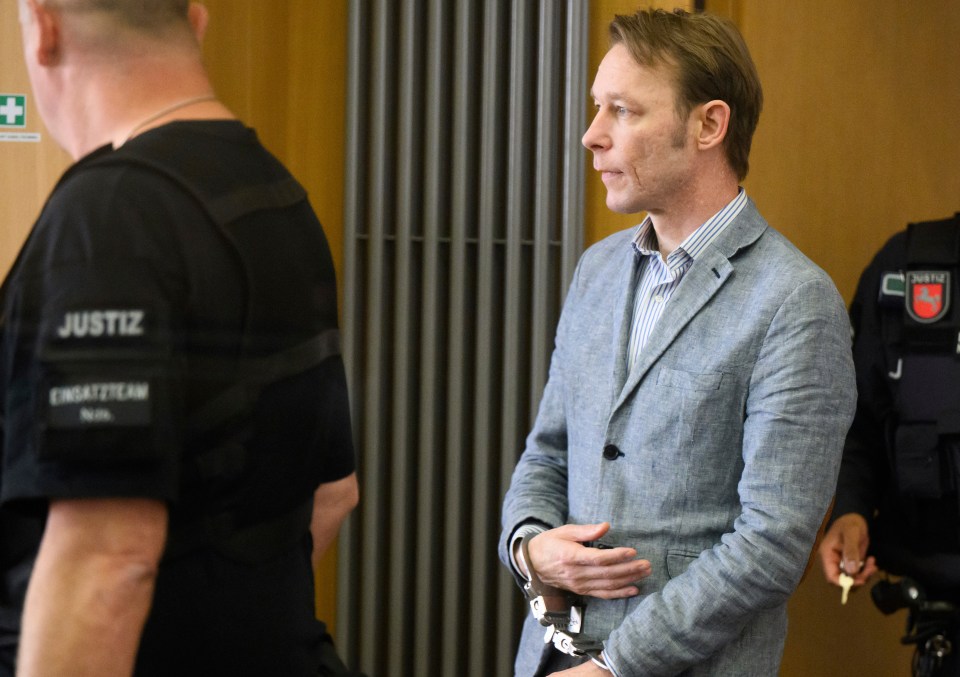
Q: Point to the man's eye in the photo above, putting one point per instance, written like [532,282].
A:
[622,111]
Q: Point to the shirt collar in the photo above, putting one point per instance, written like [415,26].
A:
[645,240]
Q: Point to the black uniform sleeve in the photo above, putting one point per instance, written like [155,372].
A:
[92,393]
[864,471]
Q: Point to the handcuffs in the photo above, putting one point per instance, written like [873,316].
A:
[560,611]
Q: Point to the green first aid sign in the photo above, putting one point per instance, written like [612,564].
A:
[13,110]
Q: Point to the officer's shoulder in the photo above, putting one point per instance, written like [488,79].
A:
[96,172]
[892,255]
[136,185]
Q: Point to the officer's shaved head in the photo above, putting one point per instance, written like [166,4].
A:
[112,26]
[143,14]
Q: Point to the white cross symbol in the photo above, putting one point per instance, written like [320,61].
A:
[11,111]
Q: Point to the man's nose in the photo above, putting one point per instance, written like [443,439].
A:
[596,137]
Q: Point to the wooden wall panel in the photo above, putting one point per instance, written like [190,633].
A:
[271,67]
[316,111]
[859,134]
[246,51]
[28,170]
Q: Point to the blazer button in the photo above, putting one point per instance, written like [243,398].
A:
[611,452]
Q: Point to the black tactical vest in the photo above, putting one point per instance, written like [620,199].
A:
[265,358]
[919,530]
[924,337]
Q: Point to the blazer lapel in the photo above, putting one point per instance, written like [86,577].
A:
[622,318]
[704,279]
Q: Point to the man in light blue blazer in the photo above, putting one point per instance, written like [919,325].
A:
[687,445]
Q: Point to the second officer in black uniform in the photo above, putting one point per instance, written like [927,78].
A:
[897,503]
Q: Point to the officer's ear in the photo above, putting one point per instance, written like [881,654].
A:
[199,17]
[41,32]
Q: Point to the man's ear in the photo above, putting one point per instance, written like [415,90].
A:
[199,18]
[714,119]
[45,23]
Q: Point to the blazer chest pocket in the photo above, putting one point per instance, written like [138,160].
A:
[688,380]
[678,562]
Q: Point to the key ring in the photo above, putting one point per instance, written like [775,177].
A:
[844,569]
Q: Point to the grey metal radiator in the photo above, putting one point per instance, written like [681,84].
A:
[464,208]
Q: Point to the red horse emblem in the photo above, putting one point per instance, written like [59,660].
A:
[928,297]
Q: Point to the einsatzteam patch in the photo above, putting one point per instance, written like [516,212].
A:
[82,405]
[928,295]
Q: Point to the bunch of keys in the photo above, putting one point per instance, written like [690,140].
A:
[846,582]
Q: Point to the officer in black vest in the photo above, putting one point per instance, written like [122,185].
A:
[897,501]
[172,394]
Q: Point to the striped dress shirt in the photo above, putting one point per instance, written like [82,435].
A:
[656,279]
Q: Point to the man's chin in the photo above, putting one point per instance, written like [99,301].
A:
[621,206]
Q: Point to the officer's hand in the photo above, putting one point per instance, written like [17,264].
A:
[847,541]
[562,561]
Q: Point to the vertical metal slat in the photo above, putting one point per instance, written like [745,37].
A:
[575,124]
[349,551]
[547,183]
[448,327]
[399,651]
[457,488]
[429,509]
[374,439]
[483,525]
[514,413]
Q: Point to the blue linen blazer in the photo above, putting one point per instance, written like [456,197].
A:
[731,427]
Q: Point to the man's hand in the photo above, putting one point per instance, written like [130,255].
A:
[847,541]
[562,561]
